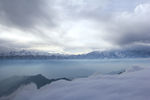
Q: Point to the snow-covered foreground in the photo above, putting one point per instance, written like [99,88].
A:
[134,84]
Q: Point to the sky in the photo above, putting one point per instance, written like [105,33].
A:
[73,26]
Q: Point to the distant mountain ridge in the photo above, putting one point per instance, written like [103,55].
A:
[92,55]
[23,53]
[119,54]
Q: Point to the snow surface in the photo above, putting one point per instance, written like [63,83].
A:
[134,84]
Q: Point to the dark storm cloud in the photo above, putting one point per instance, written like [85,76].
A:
[132,38]
[131,27]
[23,13]
[130,34]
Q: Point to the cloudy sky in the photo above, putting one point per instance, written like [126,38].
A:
[73,26]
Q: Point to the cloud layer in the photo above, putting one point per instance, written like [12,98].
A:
[70,26]
[105,87]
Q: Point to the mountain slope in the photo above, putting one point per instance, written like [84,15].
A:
[11,84]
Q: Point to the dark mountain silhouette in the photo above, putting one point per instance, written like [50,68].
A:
[11,84]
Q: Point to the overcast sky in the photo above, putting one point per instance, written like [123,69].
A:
[73,26]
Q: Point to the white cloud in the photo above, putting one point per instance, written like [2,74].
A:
[131,85]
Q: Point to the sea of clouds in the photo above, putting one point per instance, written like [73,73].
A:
[130,85]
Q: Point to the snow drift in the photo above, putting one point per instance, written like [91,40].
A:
[131,85]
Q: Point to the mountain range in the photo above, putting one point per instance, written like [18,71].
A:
[91,55]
